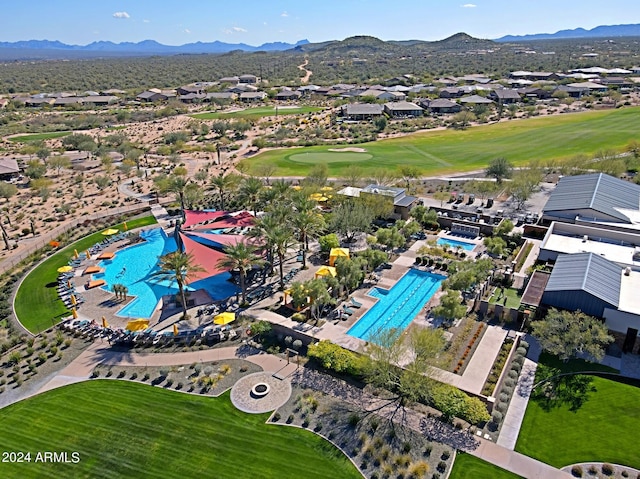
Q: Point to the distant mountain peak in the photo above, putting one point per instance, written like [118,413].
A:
[629,30]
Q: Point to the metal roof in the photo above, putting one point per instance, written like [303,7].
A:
[587,272]
[597,191]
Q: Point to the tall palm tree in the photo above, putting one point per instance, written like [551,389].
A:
[178,185]
[307,223]
[223,184]
[242,257]
[179,267]
[249,193]
[282,239]
[261,231]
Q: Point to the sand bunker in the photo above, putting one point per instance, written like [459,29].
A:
[353,150]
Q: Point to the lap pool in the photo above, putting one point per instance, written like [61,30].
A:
[397,307]
[134,267]
[455,244]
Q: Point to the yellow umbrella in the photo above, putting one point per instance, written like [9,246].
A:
[87,253]
[65,269]
[68,283]
[74,301]
[137,325]
[124,226]
[224,318]
[75,253]
[175,329]
[326,188]
[104,322]
[337,253]
[296,187]
[109,232]
[74,313]
[326,271]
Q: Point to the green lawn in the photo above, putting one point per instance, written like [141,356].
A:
[255,113]
[513,298]
[444,151]
[40,136]
[123,429]
[37,305]
[602,428]
[470,467]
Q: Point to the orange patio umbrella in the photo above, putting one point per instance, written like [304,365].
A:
[175,329]
[104,322]
[74,312]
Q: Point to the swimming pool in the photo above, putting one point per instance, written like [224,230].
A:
[134,267]
[455,243]
[397,307]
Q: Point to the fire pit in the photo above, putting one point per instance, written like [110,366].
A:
[260,390]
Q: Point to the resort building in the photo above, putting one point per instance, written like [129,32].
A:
[402,203]
[593,198]
[598,287]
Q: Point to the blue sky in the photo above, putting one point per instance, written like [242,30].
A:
[258,21]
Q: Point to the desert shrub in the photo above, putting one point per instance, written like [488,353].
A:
[524,344]
[354,419]
[576,471]
[418,469]
[496,417]
[290,419]
[276,417]
[521,351]
[608,469]
[427,451]
[509,383]
[442,466]
[145,377]
[513,374]
[507,390]
[592,470]
[334,357]
[164,372]
[445,455]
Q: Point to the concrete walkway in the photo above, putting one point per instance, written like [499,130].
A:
[518,405]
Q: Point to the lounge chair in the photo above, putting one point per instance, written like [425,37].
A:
[355,303]
[348,311]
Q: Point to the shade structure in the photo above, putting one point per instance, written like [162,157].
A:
[93,270]
[104,322]
[95,283]
[137,325]
[65,269]
[225,318]
[110,232]
[175,329]
[325,271]
[106,255]
[336,253]
[204,256]
[54,244]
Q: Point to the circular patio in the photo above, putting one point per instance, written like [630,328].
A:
[244,398]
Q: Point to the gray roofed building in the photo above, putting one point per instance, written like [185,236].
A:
[100,100]
[8,168]
[252,96]
[220,95]
[288,95]
[192,97]
[586,272]
[362,111]
[233,79]
[595,197]
[505,95]
[476,100]
[402,108]
[441,105]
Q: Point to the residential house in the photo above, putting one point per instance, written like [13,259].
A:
[534,92]
[186,90]
[100,100]
[151,96]
[193,97]
[573,92]
[113,91]
[392,96]
[402,203]
[452,92]
[8,168]
[402,109]
[362,111]
[252,96]
[475,100]
[440,106]
[222,95]
[590,86]
[234,80]
[505,96]
[35,102]
[242,88]
[251,79]
[286,95]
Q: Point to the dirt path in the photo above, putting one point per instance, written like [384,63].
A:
[308,73]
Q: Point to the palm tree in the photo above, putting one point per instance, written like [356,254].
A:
[178,185]
[223,184]
[179,267]
[249,193]
[282,239]
[307,223]
[242,257]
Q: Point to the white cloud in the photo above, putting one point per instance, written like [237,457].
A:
[239,30]
[186,30]
[146,21]
[469,5]
[284,14]
[121,15]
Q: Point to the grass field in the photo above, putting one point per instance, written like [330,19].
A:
[470,467]
[37,305]
[444,151]
[39,136]
[603,428]
[255,113]
[122,429]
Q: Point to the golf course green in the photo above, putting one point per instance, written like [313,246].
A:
[255,112]
[122,429]
[549,138]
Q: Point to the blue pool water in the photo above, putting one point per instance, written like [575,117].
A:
[397,307]
[135,265]
[455,243]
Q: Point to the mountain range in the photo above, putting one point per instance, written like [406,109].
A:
[631,30]
[149,47]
